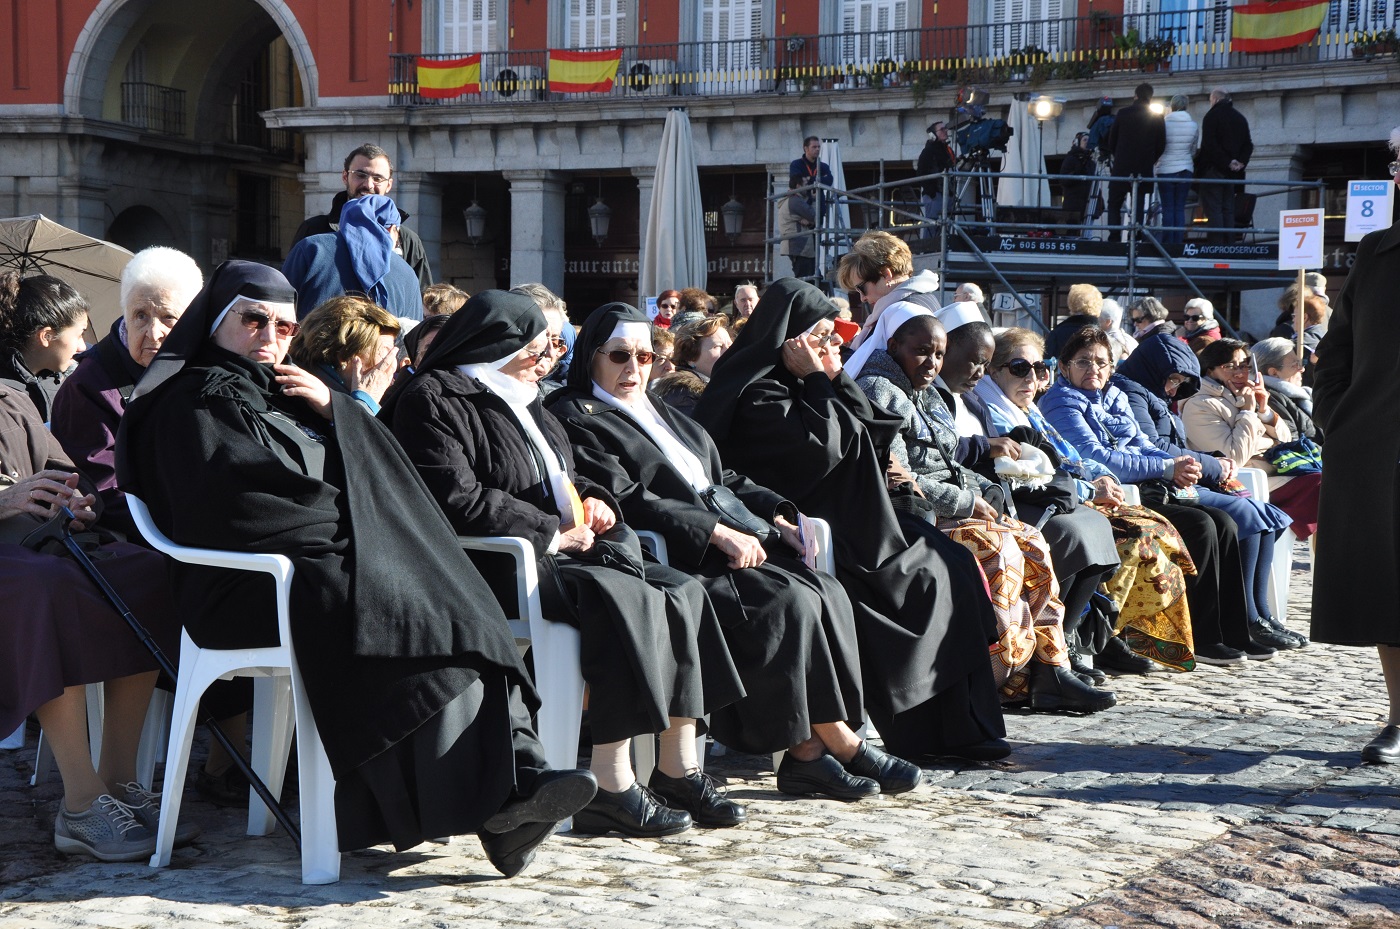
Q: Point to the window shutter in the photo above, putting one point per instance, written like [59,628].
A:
[469,26]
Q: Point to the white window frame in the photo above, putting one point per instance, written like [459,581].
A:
[483,33]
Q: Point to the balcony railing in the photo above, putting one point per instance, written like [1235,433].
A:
[921,60]
[154,108]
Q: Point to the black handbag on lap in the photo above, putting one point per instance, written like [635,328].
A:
[732,513]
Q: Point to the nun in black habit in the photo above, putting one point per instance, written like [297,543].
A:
[783,413]
[413,676]
[789,628]
[653,653]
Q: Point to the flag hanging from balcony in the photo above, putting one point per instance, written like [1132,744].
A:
[451,78]
[1276,26]
[573,72]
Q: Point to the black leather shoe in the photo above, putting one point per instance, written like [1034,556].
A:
[1384,748]
[1220,655]
[1056,689]
[1083,669]
[557,795]
[1265,634]
[1256,652]
[511,852]
[1299,640]
[635,812]
[824,777]
[894,775]
[699,795]
[989,750]
[1117,656]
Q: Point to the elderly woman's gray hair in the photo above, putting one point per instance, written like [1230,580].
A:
[1112,312]
[159,269]
[1205,306]
[546,299]
[1270,353]
[1180,102]
[1395,140]
[968,293]
[1154,308]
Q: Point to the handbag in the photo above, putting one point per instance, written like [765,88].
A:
[1300,456]
[732,513]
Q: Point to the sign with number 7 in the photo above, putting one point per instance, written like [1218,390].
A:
[1299,239]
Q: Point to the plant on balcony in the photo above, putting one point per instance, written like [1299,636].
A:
[1375,44]
[796,80]
[1080,69]
[922,81]
[1155,54]
[1030,63]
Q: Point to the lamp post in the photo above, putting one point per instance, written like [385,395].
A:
[1042,108]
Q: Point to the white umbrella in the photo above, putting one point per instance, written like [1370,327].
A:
[836,211]
[1024,155]
[673,251]
[37,245]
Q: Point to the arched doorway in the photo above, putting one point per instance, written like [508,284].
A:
[141,227]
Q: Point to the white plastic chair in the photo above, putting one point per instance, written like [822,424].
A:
[1131,495]
[280,705]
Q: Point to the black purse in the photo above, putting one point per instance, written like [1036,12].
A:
[732,513]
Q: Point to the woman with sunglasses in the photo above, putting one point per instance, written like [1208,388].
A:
[668,305]
[653,654]
[1031,659]
[785,414]
[1096,419]
[880,269]
[419,694]
[1144,573]
[789,628]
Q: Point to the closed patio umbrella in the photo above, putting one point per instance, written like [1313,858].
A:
[1025,154]
[37,245]
[833,242]
[673,250]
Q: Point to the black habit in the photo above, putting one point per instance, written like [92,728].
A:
[922,610]
[652,647]
[790,630]
[413,675]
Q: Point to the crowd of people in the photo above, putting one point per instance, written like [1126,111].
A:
[985,558]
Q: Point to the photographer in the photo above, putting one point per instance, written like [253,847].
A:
[936,158]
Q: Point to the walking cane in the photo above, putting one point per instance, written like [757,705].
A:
[58,528]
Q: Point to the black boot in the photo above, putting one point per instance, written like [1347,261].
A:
[1083,669]
[1117,656]
[1056,689]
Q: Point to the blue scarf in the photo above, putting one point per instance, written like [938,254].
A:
[364,236]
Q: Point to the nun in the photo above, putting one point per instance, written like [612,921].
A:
[784,414]
[653,653]
[789,629]
[413,676]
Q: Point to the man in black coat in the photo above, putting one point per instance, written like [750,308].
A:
[936,158]
[368,170]
[1225,150]
[1136,141]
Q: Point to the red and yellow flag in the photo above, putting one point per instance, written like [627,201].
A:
[573,72]
[450,78]
[1276,26]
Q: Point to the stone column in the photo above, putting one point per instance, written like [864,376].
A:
[778,263]
[420,196]
[537,228]
[646,182]
[82,187]
[1274,163]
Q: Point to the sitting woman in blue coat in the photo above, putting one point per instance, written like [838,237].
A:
[1162,371]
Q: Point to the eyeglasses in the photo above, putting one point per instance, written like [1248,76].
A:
[1393,168]
[670,305]
[257,322]
[1091,364]
[363,175]
[1236,365]
[1193,316]
[620,357]
[1020,367]
[1137,318]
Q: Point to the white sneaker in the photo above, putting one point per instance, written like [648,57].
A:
[145,806]
[108,831]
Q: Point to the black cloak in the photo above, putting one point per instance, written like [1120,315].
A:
[410,667]
[789,629]
[922,610]
[652,647]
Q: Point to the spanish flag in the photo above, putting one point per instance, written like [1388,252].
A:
[1276,26]
[451,78]
[583,72]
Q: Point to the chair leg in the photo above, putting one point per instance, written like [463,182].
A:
[320,842]
[272,739]
[177,758]
[43,762]
[155,737]
[644,757]
[95,704]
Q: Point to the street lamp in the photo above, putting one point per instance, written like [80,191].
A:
[1043,108]
[599,216]
[475,218]
[732,214]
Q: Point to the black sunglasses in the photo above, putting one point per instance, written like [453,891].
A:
[1020,367]
[257,322]
[619,357]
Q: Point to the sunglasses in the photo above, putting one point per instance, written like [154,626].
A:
[620,357]
[1020,367]
[257,322]
[1193,315]
[1139,319]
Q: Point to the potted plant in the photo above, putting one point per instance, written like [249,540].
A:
[1126,46]
[1155,54]
[1377,43]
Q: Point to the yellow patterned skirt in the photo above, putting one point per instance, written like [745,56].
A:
[1150,587]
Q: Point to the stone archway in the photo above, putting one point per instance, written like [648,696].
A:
[89,67]
[141,226]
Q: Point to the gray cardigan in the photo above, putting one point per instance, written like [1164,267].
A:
[927,442]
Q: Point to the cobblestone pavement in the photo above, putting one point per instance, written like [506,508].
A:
[1223,797]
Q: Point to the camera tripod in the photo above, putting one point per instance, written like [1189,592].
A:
[977,164]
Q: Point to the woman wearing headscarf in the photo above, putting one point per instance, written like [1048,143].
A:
[1164,371]
[1031,658]
[789,629]
[360,257]
[784,414]
[421,700]
[653,653]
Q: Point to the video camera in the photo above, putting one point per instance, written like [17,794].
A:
[984,135]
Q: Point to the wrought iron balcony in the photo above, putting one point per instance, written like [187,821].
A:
[920,60]
[154,108]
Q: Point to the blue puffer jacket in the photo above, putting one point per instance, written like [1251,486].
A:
[1142,378]
[1101,425]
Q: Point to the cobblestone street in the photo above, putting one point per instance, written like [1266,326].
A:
[1223,797]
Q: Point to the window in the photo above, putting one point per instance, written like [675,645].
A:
[596,23]
[1032,22]
[873,30]
[732,33]
[470,26]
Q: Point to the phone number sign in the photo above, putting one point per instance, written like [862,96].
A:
[1299,239]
